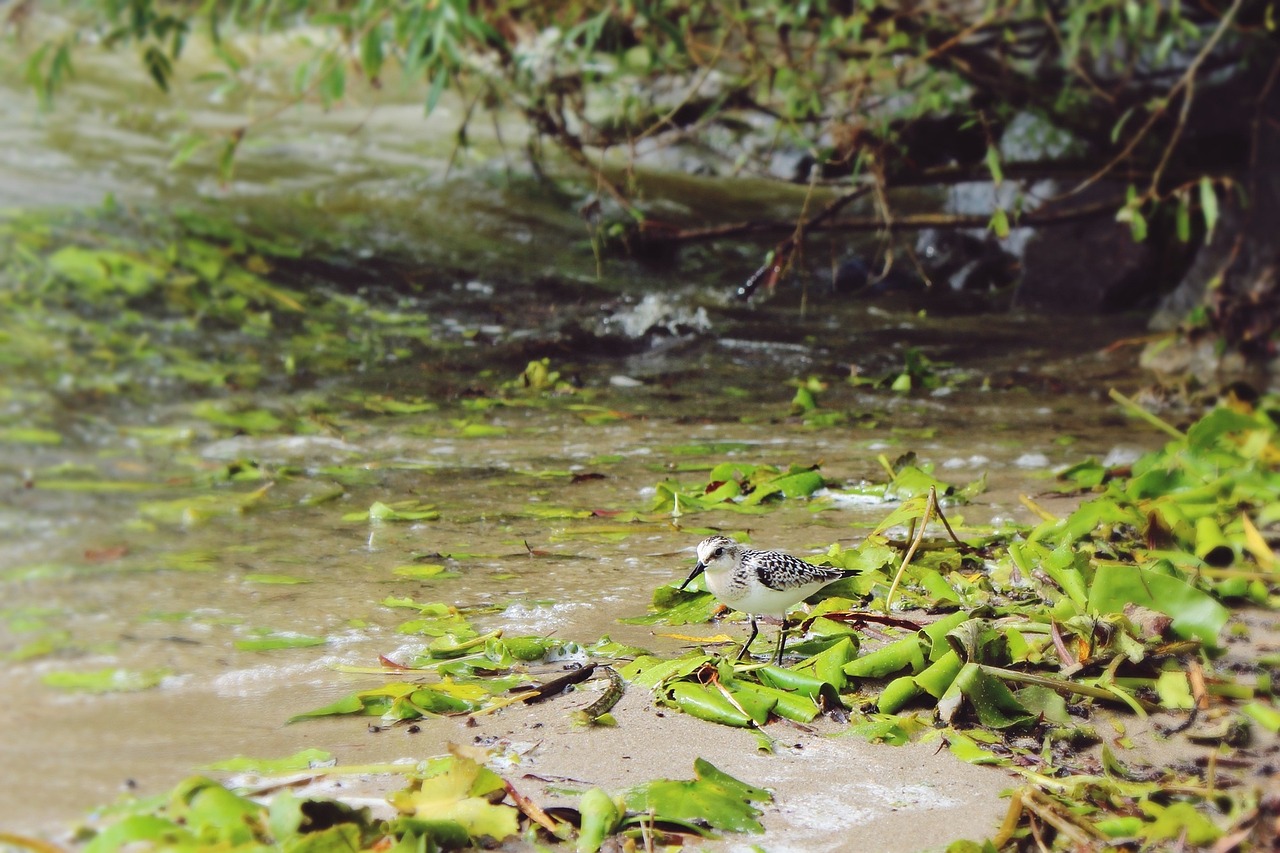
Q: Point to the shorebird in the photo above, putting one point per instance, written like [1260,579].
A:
[759,583]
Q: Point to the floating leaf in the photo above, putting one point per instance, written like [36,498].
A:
[29,435]
[406,510]
[272,642]
[107,680]
[1195,613]
[270,766]
[424,571]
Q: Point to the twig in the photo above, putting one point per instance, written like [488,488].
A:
[1186,81]
[910,222]
[556,685]
[931,507]
[1137,411]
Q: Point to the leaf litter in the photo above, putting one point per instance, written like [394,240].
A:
[1029,651]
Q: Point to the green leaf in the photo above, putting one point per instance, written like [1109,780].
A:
[270,766]
[999,224]
[424,571]
[227,157]
[649,671]
[186,148]
[1208,206]
[29,435]
[265,578]
[691,606]
[1183,218]
[993,165]
[334,83]
[351,704]
[406,510]
[600,816]
[785,703]
[913,482]
[101,271]
[1195,613]
[107,680]
[371,53]
[1266,716]
[458,795]
[886,660]
[994,703]
[707,703]
[278,641]
[797,484]
[1179,820]
[158,66]
[714,797]
[1208,432]
[156,832]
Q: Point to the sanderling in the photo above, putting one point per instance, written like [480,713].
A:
[759,583]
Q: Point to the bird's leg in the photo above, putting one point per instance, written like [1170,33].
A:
[782,639]
[747,644]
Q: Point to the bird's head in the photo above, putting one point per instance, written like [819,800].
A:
[715,554]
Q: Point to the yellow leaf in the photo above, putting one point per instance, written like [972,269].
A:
[456,795]
[689,638]
[1256,545]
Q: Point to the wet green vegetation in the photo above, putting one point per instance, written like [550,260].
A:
[133,346]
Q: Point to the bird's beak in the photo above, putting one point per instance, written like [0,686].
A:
[697,570]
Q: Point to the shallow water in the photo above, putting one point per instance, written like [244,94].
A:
[138,594]
[502,274]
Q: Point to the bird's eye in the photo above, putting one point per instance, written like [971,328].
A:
[717,553]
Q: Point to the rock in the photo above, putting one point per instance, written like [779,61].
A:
[1089,266]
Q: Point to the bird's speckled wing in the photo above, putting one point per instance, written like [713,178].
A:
[782,571]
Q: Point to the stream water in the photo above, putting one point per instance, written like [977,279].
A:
[110,559]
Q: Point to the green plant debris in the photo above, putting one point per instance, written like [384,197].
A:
[739,487]
[49,642]
[298,761]
[199,509]
[1121,606]
[273,579]
[29,435]
[424,571]
[713,797]
[538,378]
[270,641]
[1124,606]
[448,802]
[918,373]
[110,680]
[404,510]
